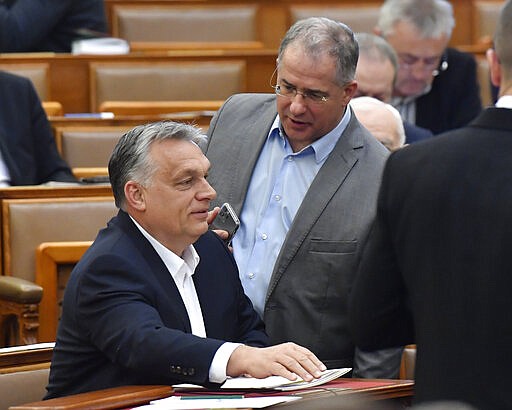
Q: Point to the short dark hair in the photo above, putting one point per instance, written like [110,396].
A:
[130,158]
[321,35]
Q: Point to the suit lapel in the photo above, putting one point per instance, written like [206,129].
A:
[325,185]
[244,150]
[158,269]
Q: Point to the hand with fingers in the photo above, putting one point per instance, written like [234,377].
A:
[287,359]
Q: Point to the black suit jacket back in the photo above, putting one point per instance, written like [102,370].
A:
[436,270]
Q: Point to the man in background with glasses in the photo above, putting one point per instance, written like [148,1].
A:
[303,175]
[436,86]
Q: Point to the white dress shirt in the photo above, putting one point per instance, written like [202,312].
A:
[181,270]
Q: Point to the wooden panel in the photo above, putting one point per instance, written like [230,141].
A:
[158,107]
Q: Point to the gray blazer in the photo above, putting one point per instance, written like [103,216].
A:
[308,293]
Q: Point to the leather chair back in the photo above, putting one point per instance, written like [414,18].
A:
[360,18]
[39,74]
[185,23]
[30,222]
[180,81]
[22,387]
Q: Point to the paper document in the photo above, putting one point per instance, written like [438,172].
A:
[282,383]
[197,402]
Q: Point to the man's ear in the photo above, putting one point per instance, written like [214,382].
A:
[350,91]
[377,31]
[135,196]
[494,66]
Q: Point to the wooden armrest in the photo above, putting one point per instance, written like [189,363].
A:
[114,398]
[19,290]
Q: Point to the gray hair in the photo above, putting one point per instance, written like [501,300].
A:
[503,35]
[376,48]
[319,36]
[432,18]
[130,160]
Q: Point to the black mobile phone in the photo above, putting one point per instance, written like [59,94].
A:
[226,220]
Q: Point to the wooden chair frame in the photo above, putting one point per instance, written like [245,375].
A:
[48,256]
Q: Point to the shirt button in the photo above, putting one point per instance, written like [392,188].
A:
[251,275]
[290,159]
[277,198]
[264,236]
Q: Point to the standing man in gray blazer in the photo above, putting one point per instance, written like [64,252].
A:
[303,175]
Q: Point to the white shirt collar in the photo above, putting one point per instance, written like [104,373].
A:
[177,266]
[504,102]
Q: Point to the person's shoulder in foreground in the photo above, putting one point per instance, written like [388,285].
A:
[157,299]
[426,273]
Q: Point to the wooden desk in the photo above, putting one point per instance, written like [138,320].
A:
[117,398]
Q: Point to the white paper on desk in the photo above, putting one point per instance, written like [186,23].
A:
[282,383]
[175,403]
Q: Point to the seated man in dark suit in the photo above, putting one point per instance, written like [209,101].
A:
[436,86]
[49,25]
[144,305]
[28,154]
[376,74]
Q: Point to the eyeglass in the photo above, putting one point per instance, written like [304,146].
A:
[429,63]
[289,91]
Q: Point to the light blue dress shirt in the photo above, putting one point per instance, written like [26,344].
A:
[278,184]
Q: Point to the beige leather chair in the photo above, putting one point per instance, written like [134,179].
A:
[88,146]
[194,23]
[26,223]
[38,73]
[22,387]
[24,373]
[360,18]
[180,81]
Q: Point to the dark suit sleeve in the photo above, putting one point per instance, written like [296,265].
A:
[378,313]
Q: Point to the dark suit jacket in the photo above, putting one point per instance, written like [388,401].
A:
[124,321]
[436,270]
[454,99]
[48,25]
[413,133]
[307,296]
[26,139]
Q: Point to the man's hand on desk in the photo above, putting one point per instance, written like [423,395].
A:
[288,360]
